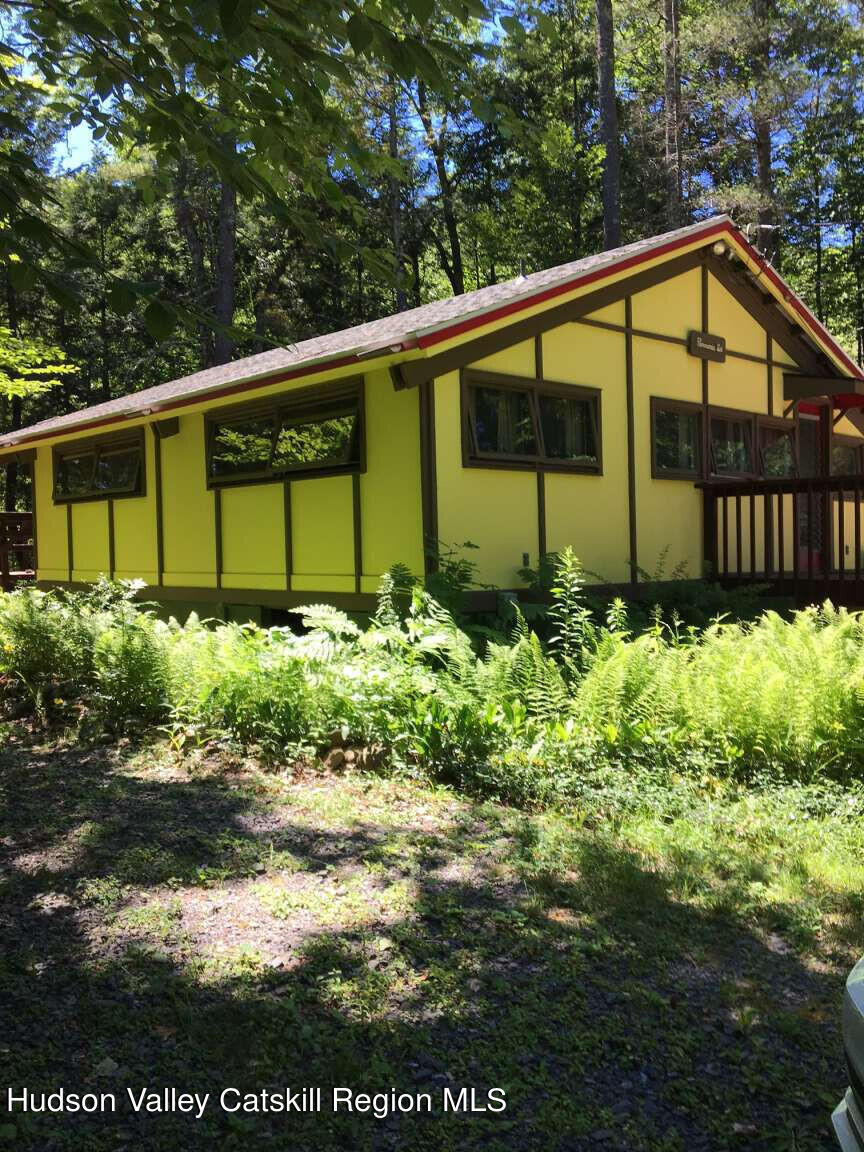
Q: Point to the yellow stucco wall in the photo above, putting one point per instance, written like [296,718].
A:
[590,512]
[494,509]
[50,522]
[498,509]
[252,517]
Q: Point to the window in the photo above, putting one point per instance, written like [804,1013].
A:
[90,470]
[731,444]
[310,432]
[512,422]
[777,450]
[845,456]
[676,439]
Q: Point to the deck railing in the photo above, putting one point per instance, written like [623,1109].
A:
[17,551]
[802,536]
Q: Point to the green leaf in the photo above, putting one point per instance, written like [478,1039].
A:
[483,110]
[423,10]
[121,298]
[160,320]
[22,276]
[360,33]
[235,15]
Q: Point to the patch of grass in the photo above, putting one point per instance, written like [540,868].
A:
[611,974]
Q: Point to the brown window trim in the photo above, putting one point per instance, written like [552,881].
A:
[742,416]
[134,438]
[299,403]
[787,426]
[660,403]
[848,441]
[472,458]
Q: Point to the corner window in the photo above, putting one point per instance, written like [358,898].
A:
[99,468]
[845,457]
[777,450]
[310,432]
[731,444]
[513,422]
[676,440]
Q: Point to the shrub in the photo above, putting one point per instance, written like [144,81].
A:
[598,716]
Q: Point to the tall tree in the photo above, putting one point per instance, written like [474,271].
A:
[608,124]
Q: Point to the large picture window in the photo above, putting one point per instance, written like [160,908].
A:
[676,440]
[96,469]
[513,422]
[309,432]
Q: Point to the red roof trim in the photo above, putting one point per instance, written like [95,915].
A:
[724,227]
[185,401]
[555,290]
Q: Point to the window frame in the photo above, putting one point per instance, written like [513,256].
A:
[689,408]
[742,417]
[111,442]
[472,457]
[847,441]
[790,428]
[302,405]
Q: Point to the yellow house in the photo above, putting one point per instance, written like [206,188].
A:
[670,398]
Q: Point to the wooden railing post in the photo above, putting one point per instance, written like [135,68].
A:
[709,532]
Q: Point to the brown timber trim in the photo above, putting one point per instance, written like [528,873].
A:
[609,326]
[631,440]
[541,514]
[111,563]
[289,530]
[706,422]
[428,474]
[34,528]
[160,527]
[162,429]
[265,597]
[70,554]
[541,475]
[796,387]
[415,371]
[217,517]
[763,309]
[770,372]
[358,532]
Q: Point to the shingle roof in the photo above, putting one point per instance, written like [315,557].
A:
[403,330]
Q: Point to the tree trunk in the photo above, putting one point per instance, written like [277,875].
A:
[452,262]
[395,196]
[185,217]
[103,323]
[608,124]
[672,113]
[767,237]
[10,495]
[226,245]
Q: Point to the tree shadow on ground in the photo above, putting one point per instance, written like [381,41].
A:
[412,946]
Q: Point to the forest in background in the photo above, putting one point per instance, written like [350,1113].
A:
[427,149]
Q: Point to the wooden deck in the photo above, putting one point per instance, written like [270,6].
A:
[17,549]
[802,537]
